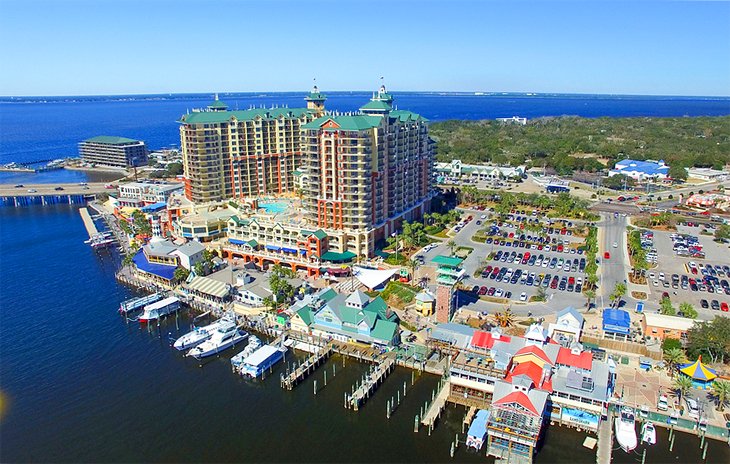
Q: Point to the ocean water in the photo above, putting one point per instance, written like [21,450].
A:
[33,129]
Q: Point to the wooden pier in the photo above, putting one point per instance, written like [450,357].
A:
[375,377]
[301,372]
[88,222]
[605,441]
[433,412]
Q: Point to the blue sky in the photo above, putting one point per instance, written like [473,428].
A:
[84,47]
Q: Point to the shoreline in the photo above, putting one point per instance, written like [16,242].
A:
[123,172]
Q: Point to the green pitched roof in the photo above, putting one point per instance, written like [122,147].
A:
[406,116]
[253,243]
[218,104]
[306,314]
[320,234]
[212,117]
[353,123]
[445,260]
[380,307]
[111,140]
[314,96]
[239,221]
[384,330]
[376,105]
[327,295]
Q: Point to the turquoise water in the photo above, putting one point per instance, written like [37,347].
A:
[274,207]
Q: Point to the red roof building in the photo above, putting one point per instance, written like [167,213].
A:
[582,360]
[486,340]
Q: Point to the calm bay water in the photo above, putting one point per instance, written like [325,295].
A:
[79,385]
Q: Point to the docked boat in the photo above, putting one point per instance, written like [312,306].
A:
[253,344]
[648,433]
[263,358]
[222,338]
[159,308]
[478,430]
[200,334]
[626,429]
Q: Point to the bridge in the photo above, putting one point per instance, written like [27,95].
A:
[40,190]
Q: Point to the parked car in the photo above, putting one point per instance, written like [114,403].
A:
[523,296]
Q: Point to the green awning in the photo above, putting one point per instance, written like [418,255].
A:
[445,260]
[338,257]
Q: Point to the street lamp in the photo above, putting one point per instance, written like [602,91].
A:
[395,234]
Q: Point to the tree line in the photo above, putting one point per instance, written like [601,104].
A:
[569,143]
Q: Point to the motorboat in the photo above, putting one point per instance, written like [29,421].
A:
[626,429]
[222,338]
[253,344]
[648,433]
[199,334]
[160,308]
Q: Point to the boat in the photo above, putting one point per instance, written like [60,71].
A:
[478,430]
[648,433]
[263,358]
[160,308]
[626,429]
[222,338]
[253,344]
[138,303]
[200,334]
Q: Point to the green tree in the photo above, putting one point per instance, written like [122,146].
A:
[180,274]
[670,343]
[199,268]
[673,357]
[722,233]
[666,308]
[141,224]
[590,295]
[452,246]
[721,393]
[618,292]
[682,385]
[688,310]
[269,303]
[618,182]
[677,173]
[710,339]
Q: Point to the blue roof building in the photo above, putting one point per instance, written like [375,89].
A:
[616,323]
[641,170]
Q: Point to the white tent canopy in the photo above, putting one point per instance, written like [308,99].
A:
[373,278]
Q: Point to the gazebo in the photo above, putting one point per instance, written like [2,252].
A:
[701,375]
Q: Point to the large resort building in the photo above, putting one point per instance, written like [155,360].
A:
[357,176]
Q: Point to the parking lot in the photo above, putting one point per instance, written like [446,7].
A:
[522,265]
[690,286]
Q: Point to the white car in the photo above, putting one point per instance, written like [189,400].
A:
[523,296]
[615,245]
[692,409]
[661,276]
[483,216]
[656,283]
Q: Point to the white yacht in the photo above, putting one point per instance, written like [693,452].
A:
[160,308]
[626,429]
[648,433]
[222,338]
[200,334]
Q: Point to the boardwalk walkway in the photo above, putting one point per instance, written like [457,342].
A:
[304,369]
[605,442]
[434,409]
[371,382]
[88,222]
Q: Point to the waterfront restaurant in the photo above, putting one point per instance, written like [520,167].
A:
[616,324]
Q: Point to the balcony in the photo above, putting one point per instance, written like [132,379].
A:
[450,271]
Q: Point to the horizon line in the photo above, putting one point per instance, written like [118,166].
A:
[470,92]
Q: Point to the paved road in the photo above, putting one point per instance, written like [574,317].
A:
[617,267]
[8,190]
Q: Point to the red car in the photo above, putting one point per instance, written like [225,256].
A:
[607,255]
[724,306]
[482,291]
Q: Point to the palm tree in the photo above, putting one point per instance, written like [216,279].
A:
[721,392]
[451,244]
[673,357]
[590,295]
[682,384]
[505,319]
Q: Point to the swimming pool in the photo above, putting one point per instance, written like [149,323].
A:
[274,207]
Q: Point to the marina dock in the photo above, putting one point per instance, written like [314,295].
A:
[304,369]
[605,441]
[437,405]
[88,222]
[370,383]
[138,303]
